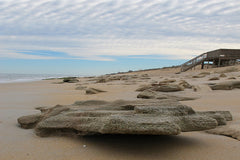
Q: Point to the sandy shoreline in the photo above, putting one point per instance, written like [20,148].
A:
[17,99]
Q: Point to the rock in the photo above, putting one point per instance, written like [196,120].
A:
[70,80]
[202,88]
[144,87]
[230,130]
[184,84]
[229,85]
[147,94]
[180,98]
[220,116]
[213,78]
[168,88]
[145,117]
[29,121]
[93,91]
[232,78]
[222,75]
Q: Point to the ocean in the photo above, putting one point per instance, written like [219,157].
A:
[14,77]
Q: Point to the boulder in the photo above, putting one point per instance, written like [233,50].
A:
[142,117]
[228,85]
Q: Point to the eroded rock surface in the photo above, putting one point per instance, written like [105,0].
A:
[145,117]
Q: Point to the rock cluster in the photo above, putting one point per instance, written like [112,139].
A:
[158,90]
[144,117]
[166,86]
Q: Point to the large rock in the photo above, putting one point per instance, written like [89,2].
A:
[228,85]
[145,117]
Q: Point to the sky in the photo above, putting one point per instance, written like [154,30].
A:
[91,37]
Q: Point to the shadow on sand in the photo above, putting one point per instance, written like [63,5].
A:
[142,145]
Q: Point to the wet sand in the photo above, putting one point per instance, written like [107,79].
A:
[18,99]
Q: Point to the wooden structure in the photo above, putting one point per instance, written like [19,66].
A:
[217,58]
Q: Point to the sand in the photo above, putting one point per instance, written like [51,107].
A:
[17,99]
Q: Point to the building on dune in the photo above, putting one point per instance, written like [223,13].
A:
[216,58]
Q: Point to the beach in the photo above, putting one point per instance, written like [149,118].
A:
[19,99]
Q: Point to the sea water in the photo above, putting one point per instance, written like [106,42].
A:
[14,77]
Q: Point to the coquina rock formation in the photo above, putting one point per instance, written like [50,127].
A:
[144,117]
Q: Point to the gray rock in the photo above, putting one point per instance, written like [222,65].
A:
[29,121]
[229,85]
[147,94]
[145,117]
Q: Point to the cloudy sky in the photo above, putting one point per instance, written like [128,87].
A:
[93,36]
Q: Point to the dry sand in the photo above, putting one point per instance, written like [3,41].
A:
[19,99]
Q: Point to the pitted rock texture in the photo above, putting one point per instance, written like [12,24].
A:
[142,117]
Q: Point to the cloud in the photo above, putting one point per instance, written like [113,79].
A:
[98,28]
